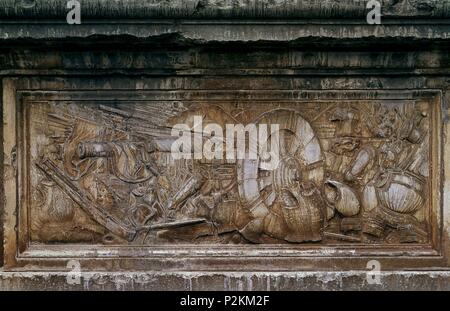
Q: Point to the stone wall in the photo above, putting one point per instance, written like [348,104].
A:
[89,186]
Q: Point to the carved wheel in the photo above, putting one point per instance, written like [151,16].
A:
[260,188]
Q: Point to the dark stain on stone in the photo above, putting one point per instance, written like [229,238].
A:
[395,2]
[27,4]
[425,6]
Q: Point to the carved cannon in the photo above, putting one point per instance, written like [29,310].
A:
[94,149]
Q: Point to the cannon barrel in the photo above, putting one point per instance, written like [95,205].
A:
[94,150]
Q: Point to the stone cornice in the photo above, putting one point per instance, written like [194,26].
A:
[186,22]
[223,9]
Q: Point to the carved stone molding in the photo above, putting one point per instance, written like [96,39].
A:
[260,22]
[213,9]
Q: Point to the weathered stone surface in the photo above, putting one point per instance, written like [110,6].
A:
[293,21]
[231,281]
[296,33]
[239,9]
[87,112]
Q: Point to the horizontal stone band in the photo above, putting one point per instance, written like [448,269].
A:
[226,9]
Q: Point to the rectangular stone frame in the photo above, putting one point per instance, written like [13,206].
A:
[19,92]
[320,45]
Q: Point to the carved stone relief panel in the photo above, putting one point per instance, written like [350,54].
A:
[345,125]
[352,170]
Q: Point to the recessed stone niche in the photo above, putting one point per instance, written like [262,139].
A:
[90,183]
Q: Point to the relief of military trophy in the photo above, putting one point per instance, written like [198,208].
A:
[143,170]
[357,186]
[261,205]
[391,184]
